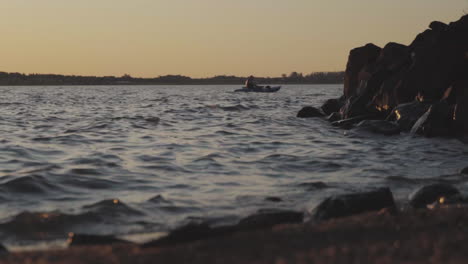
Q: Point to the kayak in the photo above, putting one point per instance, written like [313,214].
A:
[260,89]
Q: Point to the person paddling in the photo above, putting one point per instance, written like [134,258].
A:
[250,83]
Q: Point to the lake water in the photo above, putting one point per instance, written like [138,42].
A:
[129,160]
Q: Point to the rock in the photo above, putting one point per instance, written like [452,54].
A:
[464,171]
[91,240]
[350,204]
[435,122]
[189,233]
[358,58]
[392,57]
[3,250]
[349,122]
[379,127]
[432,193]
[332,105]
[407,114]
[200,231]
[334,117]
[269,218]
[309,111]
[438,58]
[460,115]
[438,26]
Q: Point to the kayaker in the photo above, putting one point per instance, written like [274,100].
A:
[250,83]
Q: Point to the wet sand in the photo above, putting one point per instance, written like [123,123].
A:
[422,236]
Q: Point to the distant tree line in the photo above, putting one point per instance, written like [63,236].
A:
[55,79]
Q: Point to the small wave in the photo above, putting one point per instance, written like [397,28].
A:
[34,184]
[89,128]
[314,185]
[112,207]
[158,199]
[44,225]
[85,171]
[225,133]
[69,139]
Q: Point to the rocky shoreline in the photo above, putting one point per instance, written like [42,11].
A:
[421,88]
[415,236]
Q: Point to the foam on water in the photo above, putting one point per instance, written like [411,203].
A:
[132,160]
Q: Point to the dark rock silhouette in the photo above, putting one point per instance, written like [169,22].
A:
[334,117]
[3,250]
[379,127]
[432,193]
[423,87]
[270,218]
[464,171]
[435,122]
[357,60]
[350,204]
[350,122]
[406,115]
[309,111]
[332,105]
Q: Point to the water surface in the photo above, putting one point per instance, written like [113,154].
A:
[127,160]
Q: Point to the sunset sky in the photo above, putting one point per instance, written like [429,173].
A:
[199,38]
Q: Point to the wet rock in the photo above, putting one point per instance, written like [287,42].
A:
[460,115]
[92,240]
[349,122]
[309,111]
[437,60]
[332,105]
[437,121]
[433,193]
[438,26]
[3,250]
[464,171]
[334,117]
[273,199]
[189,233]
[351,204]
[201,231]
[406,115]
[269,218]
[379,127]
[357,60]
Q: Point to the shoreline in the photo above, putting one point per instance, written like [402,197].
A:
[414,236]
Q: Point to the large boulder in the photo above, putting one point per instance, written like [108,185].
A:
[393,63]
[350,122]
[332,105]
[268,218]
[429,194]
[406,115]
[350,204]
[437,121]
[382,127]
[437,60]
[309,111]
[460,115]
[358,58]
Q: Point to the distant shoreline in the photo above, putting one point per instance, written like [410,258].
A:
[19,79]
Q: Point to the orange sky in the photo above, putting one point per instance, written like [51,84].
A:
[199,38]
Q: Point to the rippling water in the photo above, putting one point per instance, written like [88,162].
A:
[127,160]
